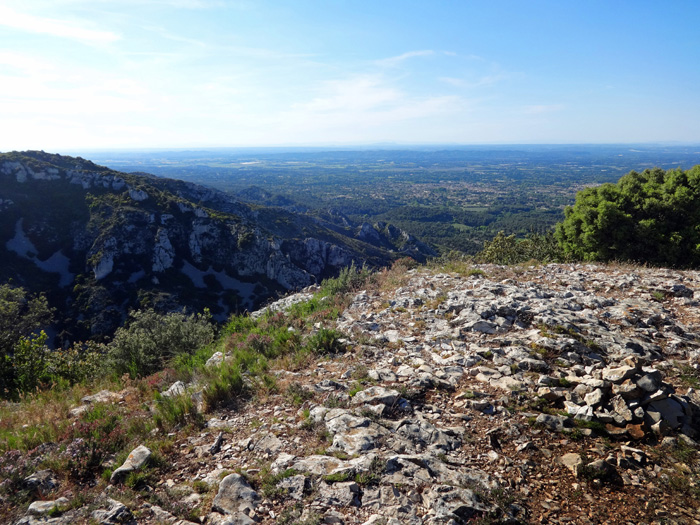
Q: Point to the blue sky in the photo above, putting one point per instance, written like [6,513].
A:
[78,74]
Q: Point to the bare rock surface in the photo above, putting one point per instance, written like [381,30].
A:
[136,460]
[550,394]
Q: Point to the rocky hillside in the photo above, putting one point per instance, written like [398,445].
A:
[554,394]
[99,242]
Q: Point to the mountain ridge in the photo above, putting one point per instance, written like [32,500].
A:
[135,240]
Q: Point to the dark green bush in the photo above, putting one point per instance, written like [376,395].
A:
[325,341]
[23,353]
[508,249]
[650,217]
[150,340]
[225,385]
[176,411]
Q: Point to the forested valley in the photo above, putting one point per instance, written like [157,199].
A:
[453,198]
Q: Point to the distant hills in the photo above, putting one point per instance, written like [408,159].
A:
[99,242]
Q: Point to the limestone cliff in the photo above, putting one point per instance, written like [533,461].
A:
[102,242]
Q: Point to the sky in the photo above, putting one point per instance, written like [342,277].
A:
[102,74]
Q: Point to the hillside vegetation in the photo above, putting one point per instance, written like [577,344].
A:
[651,217]
[98,243]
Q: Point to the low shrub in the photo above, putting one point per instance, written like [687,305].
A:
[350,279]
[150,340]
[325,341]
[176,411]
[99,433]
[297,394]
[225,385]
[507,249]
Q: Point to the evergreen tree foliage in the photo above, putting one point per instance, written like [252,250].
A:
[150,340]
[22,349]
[650,217]
[508,249]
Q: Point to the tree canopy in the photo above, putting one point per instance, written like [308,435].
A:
[651,217]
[21,317]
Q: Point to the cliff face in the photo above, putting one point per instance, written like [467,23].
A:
[103,241]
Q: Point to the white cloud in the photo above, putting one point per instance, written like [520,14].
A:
[363,108]
[542,108]
[360,93]
[24,63]
[187,4]
[485,80]
[395,61]
[52,26]
[164,33]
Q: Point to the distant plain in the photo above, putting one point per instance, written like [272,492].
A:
[452,197]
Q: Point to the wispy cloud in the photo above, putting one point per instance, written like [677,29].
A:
[178,4]
[395,61]
[485,80]
[55,27]
[370,103]
[164,33]
[23,62]
[189,4]
[360,93]
[542,108]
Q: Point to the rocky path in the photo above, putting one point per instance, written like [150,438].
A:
[552,394]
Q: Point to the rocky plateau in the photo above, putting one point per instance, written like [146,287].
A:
[563,393]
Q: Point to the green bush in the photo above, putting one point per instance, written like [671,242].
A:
[21,315]
[176,411]
[150,340]
[325,341]
[33,365]
[504,249]
[80,363]
[650,217]
[350,279]
[23,353]
[225,385]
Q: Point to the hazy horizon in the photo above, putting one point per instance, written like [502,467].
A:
[380,146]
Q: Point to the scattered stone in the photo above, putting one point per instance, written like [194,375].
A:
[572,461]
[453,503]
[136,459]
[42,508]
[235,496]
[376,394]
[115,514]
[103,396]
[345,494]
[215,360]
[555,423]
[176,389]
[670,410]
[216,446]
[41,482]
[574,338]
[619,374]
[294,486]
